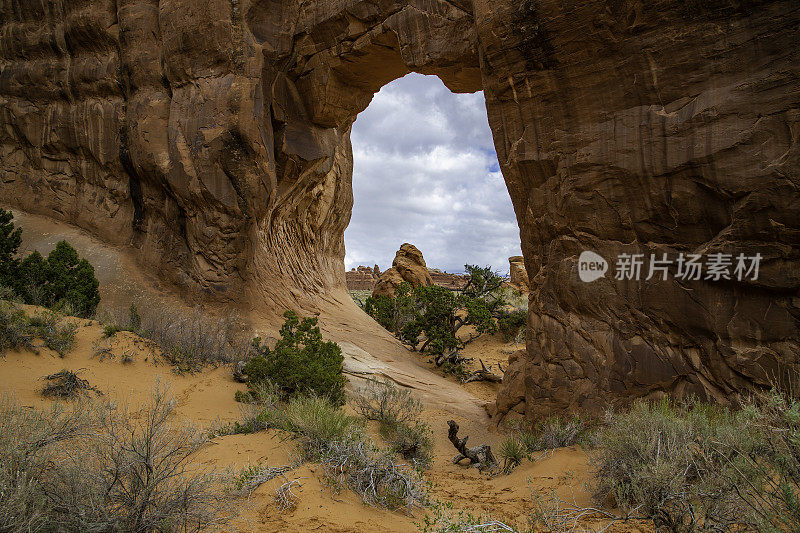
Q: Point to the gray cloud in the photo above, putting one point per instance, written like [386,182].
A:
[425,172]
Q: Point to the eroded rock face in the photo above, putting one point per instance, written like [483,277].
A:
[213,139]
[408,266]
[648,127]
[517,273]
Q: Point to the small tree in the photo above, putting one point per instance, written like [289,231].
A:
[71,279]
[300,363]
[61,278]
[440,313]
[10,240]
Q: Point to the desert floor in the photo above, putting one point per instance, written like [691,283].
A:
[208,396]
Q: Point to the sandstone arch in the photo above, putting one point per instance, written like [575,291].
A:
[212,138]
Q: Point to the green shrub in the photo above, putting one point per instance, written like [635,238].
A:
[301,362]
[15,329]
[511,323]
[513,452]
[57,334]
[695,467]
[10,240]
[393,313]
[61,279]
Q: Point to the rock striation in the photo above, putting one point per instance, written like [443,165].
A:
[212,139]
[408,266]
[362,278]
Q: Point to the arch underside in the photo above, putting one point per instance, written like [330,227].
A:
[213,139]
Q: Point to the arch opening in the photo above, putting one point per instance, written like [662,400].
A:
[425,172]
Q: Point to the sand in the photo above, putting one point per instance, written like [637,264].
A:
[131,367]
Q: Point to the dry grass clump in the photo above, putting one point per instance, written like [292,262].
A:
[57,334]
[397,412]
[697,467]
[66,385]
[373,474]
[15,330]
[557,432]
[187,340]
[544,436]
[94,467]
[18,331]
[386,403]
[337,441]
[318,423]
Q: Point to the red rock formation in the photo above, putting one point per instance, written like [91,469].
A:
[517,274]
[453,282]
[361,278]
[408,266]
[213,139]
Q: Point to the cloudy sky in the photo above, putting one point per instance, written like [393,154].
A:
[426,173]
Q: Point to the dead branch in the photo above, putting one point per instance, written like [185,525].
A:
[238,372]
[285,499]
[66,384]
[484,374]
[481,456]
[454,358]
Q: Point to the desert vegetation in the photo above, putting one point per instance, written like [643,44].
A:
[298,387]
[187,340]
[62,280]
[432,315]
[398,415]
[691,466]
[301,362]
[18,330]
[92,466]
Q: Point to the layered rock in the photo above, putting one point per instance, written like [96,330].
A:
[518,276]
[648,127]
[362,278]
[447,280]
[365,278]
[213,140]
[408,266]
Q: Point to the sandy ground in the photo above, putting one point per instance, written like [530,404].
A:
[208,396]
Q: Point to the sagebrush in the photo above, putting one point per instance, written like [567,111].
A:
[94,467]
[692,466]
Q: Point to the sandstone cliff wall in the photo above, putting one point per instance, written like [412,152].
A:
[212,138]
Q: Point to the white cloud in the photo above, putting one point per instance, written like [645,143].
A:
[425,172]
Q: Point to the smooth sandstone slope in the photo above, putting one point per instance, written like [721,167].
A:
[212,139]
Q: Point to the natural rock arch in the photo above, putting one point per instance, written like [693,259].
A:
[213,138]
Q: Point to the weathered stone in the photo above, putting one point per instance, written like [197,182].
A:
[517,273]
[408,266]
[213,139]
